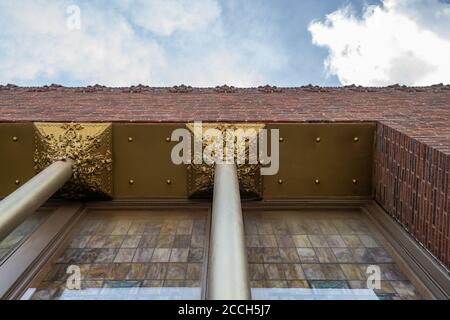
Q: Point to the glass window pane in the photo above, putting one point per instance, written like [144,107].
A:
[11,242]
[320,255]
[137,255]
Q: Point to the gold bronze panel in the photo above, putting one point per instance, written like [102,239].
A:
[142,164]
[16,156]
[89,145]
[316,160]
[323,160]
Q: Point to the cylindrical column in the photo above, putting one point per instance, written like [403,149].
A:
[228,269]
[16,207]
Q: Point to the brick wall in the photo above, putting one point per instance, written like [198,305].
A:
[412,183]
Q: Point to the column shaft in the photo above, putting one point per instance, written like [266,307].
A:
[228,269]
[16,207]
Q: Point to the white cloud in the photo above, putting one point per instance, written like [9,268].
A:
[35,42]
[168,16]
[123,43]
[403,41]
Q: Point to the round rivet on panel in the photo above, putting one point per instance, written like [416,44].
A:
[280,181]
[130,139]
[355,181]
[131,181]
[15,139]
[17,182]
[317,181]
[318,139]
[168,181]
[281,139]
[168,139]
[356,139]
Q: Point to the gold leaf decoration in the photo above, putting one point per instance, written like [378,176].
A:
[201,176]
[88,144]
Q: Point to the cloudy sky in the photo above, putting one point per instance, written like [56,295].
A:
[237,42]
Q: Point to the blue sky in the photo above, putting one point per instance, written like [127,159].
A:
[237,42]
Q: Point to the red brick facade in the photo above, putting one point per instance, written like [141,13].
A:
[412,183]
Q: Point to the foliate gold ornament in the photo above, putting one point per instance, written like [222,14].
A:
[200,180]
[88,145]
[201,176]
